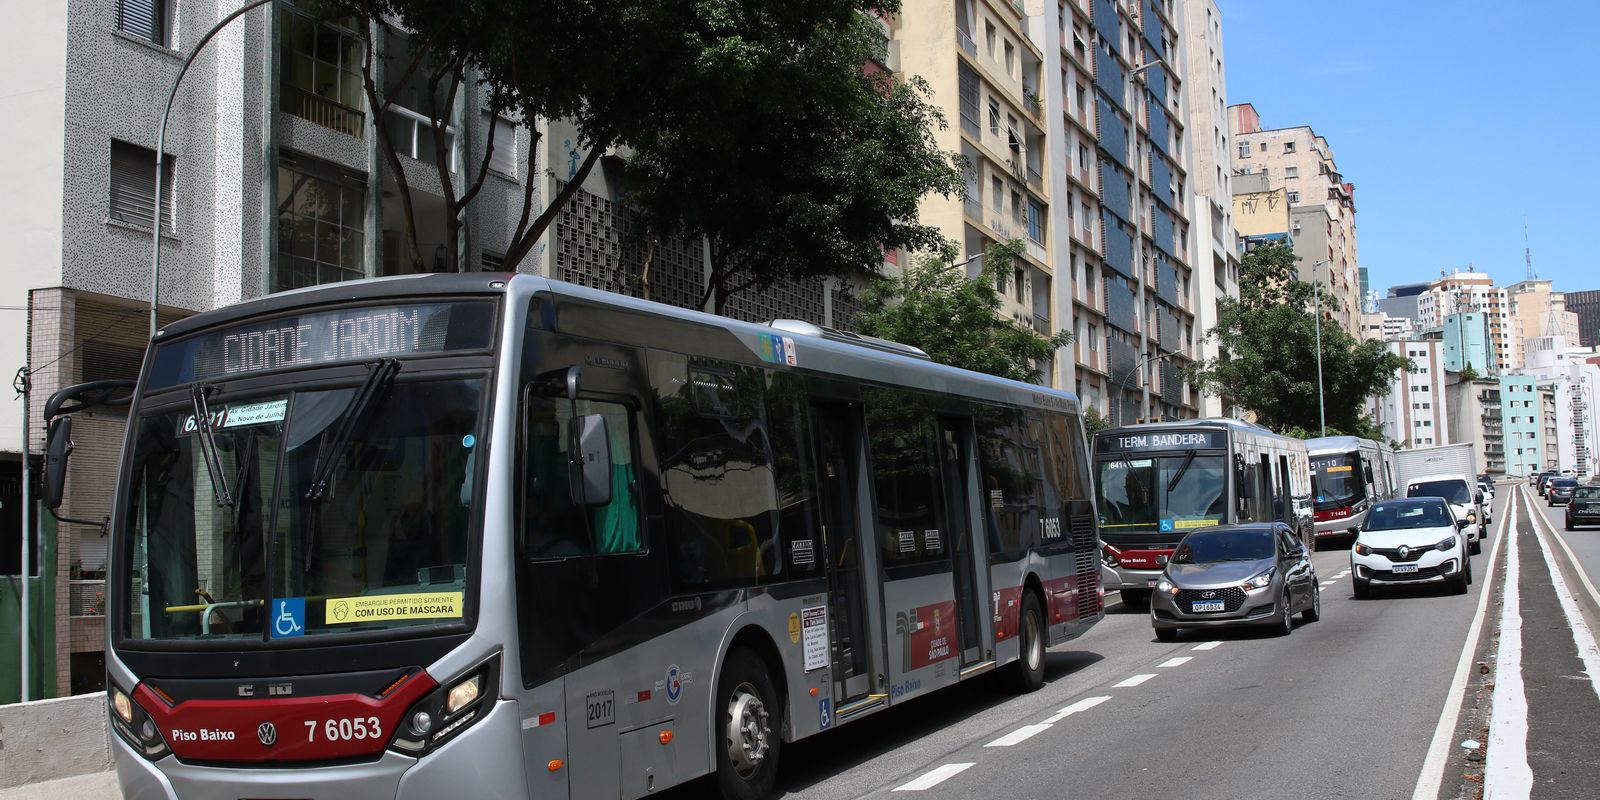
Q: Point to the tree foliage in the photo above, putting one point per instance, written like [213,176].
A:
[1267,360]
[955,319]
[750,122]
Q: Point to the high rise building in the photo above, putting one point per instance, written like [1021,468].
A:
[1522,409]
[1322,207]
[1467,344]
[1462,291]
[1539,310]
[1414,411]
[1586,304]
[1260,212]
[1215,252]
[1477,416]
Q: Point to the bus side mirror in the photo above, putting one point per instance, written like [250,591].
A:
[58,448]
[589,449]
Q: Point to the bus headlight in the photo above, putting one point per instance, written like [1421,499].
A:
[134,725]
[122,704]
[448,710]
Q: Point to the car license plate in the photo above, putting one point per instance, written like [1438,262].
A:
[1403,568]
[1149,582]
[1206,605]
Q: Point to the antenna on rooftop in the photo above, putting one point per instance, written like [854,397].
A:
[1527,253]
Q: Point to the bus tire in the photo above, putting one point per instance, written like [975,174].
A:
[748,731]
[1027,672]
[1135,599]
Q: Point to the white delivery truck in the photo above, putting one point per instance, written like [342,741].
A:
[1449,471]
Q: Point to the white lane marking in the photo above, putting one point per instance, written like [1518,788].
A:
[1021,734]
[1175,662]
[1432,774]
[1082,705]
[1134,681]
[1588,651]
[1325,584]
[1207,646]
[1506,772]
[1572,559]
[934,777]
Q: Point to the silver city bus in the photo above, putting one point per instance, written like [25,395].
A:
[417,537]
[1348,475]
[1156,482]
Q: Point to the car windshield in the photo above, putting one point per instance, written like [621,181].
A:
[1451,491]
[1167,493]
[1208,547]
[1406,516]
[1337,480]
[383,545]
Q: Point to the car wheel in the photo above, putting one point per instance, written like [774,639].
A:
[1476,546]
[1285,616]
[1027,672]
[747,761]
[1136,598]
[1313,612]
[1459,585]
[1570,526]
[1363,590]
[1468,562]
[1166,634]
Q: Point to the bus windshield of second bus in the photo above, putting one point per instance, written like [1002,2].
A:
[1337,481]
[1163,493]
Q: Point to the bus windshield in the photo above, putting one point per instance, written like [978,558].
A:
[258,551]
[1337,480]
[1164,493]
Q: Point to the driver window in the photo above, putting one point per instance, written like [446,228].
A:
[553,526]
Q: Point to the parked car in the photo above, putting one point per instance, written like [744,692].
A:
[1251,574]
[1412,541]
[1465,499]
[1584,509]
[1561,490]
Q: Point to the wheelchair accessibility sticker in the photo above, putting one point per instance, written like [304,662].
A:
[288,617]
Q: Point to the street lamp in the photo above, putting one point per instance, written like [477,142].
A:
[161,140]
[1322,415]
[1146,384]
[1138,216]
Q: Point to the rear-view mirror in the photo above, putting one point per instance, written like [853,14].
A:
[1479,499]
[58,448]
[589,448]
[1461,524]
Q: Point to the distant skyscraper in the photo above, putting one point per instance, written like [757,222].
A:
[1586,305]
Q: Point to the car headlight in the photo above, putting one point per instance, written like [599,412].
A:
[1472,516]
[1447,543]
[1261,581]
[1363,550]
[1165,586]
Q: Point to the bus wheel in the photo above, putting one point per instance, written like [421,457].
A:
[747,763]
[1027,673]
[1135,599]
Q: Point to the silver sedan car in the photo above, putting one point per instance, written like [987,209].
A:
[1254,574]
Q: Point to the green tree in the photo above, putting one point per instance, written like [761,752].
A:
[1267,360]
[955,319]
[750,122]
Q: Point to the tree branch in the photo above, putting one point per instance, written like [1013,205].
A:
[386,146]
[524,243]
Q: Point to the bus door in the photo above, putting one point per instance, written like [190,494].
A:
[835,433]
[954,458]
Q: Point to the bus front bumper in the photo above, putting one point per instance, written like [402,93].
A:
[486,757]
[1341,526]
[1115,578]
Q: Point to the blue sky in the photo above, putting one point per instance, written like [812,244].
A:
[1455,120]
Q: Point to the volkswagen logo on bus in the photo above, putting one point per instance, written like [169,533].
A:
[267,733]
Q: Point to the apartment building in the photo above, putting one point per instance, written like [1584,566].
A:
[1477,415]
[1586,304]
[1569,375]
[1539,311]
[1522,407]
[1415,410]
[273,180]
[1215,251]
[1260,212]
[1468,290]
[1468,343]
[1322,222]
[1073,153]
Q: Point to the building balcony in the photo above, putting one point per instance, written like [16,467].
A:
[964,39]
[86,598]
[322,111]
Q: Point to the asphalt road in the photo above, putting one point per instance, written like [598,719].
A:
[1344,707]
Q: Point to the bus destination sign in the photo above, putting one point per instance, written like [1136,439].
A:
[1162,440]
[328,337]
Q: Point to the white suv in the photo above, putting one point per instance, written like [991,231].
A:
[1411,541]
[1464,498]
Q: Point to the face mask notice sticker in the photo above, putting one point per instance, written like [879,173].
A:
[383,607]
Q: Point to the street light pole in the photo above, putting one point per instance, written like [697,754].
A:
[1316,281]
[1129,374]
[161,140]
[1136,257]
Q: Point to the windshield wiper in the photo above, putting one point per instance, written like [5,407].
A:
[1182,468]
[379,373]
[207,437]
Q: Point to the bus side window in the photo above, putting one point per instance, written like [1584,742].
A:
[553,526]
[906,481]
[1010,494]
[799,514]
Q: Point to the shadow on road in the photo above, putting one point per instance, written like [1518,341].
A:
[820,758]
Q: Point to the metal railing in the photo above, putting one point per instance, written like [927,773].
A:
[1035,179]
[965,40]
[320,110]
[86,598]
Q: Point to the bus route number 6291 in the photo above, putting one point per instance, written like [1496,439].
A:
[344,730]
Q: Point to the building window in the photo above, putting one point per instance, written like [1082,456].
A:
[1011,59]
[998,194]
[133,185]
[321,77]
[321,224]
[1244,149]
[988,36]
[994,117]
[146,19]
[504,158]
[1288,147]
[1294,197]
[1291,172]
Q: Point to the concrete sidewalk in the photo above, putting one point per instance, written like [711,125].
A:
[94,786]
